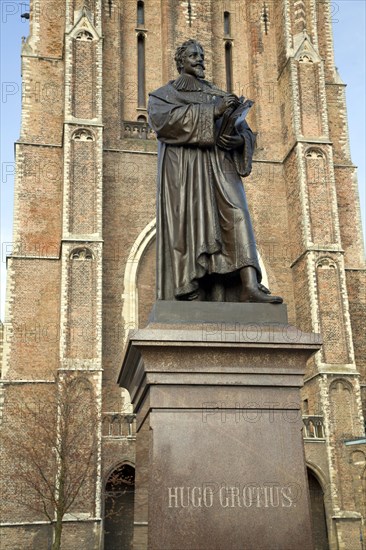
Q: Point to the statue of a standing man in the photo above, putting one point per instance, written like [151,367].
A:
[205,242]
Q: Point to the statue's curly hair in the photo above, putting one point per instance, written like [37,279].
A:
[180,51]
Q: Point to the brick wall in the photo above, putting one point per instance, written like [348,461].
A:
[84,185]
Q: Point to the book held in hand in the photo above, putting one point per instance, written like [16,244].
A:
[232,118]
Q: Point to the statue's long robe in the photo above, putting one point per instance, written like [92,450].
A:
[203,222]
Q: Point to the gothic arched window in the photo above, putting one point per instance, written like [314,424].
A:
[140,14]
[141,95]
[226,23]
[229,66]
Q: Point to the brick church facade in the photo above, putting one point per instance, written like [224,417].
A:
[82,272]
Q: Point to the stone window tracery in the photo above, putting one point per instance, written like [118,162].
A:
[314,154]
[340,385]
[83,135]
[84,36]
[81,254]
[305,58]
[326,263]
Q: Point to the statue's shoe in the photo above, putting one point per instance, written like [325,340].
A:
[260,297]
[196,295]
[264,288]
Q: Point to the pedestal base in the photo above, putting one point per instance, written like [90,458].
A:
[220,461]
[165,311]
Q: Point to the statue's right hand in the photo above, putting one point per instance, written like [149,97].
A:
[224,103]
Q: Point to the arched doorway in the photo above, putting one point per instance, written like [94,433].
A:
[320,532]
[119,508]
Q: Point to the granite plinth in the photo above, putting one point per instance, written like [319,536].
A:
[165,311]
[219,456]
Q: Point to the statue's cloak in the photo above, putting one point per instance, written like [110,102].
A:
[203,222]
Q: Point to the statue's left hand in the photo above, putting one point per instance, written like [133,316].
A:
[231,142]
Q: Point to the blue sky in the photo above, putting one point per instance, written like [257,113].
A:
[349,41]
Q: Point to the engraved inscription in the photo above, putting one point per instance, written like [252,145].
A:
[246,496]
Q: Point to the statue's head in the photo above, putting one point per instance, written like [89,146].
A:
[189,58]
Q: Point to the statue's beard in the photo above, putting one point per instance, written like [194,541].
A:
[197,71]
[200,71]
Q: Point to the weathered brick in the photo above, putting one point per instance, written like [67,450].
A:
[83,270]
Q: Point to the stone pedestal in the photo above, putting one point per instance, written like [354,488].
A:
[220,460]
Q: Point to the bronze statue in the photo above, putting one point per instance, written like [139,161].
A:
[205,242]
